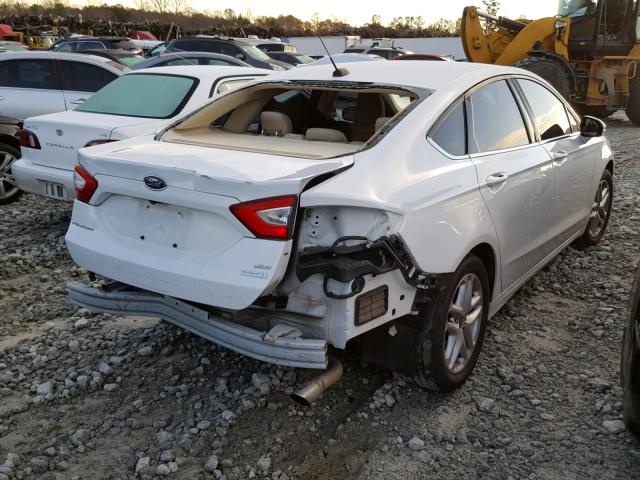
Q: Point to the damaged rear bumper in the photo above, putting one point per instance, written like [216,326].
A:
[294,352]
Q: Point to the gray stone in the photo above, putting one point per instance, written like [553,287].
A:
[110,387]
[145,351]
[163,470]
[44,389]
[142,463]
[211,464]
[415,444]
[485,404]
[261,382]
[164,439]
[39,464]
[264,464]
[614,426]
[81,323]
[105,369]
[80,436]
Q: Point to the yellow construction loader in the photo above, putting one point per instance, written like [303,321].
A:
[589,51]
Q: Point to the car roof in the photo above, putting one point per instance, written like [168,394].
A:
[410,73]
[212,38]
[46,54]
[107,51]
[86,39]
[203,72]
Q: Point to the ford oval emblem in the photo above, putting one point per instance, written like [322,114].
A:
[155,183]
[59,132]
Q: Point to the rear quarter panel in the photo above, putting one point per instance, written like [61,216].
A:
[438,198]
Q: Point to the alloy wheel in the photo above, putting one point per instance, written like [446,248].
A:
[600,209]
[463,323]
[8,185]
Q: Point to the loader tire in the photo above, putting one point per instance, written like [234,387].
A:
[548,70]
[633,105]
[599,111]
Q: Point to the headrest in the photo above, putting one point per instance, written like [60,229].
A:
[325,135]
[381,122]
[275,123]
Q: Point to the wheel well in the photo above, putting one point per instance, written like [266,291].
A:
[9,140]
[484,252]
[609,167]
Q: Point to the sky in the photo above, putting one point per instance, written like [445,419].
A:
[360,12]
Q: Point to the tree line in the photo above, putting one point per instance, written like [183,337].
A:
[157,16]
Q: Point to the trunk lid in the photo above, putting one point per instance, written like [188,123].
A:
[239,174]
[62,134]
[182,240]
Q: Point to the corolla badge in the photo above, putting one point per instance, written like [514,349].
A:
[59,132]
[155,183]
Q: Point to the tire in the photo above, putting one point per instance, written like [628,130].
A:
[630,363]
[602,211]
[550,71]
[431,369]
[633,104]
[9,192]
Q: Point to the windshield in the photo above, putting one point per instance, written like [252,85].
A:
[576,8]
[256,53]
[14,47]
[130,60]
[142,95]
[304,58]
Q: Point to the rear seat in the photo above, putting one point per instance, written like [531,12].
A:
[275,124]
[325,135]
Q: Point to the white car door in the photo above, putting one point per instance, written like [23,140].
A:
[29,87]
[516,178]
[574,159]
[80,80]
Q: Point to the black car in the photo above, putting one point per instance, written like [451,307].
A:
[630,368]
[95,43]
[291,58]
[227,46]
[128,59]
[9,153]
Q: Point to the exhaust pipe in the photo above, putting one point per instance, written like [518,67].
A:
[310,391]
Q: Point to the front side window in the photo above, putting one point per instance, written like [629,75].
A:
[65,47]
[84,77]
[449,134]
[36,74]
[142,95]
[549,113]
[256,53]
[496,119]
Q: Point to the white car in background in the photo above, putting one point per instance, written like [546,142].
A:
[37,83]
[405,228]
[136,103]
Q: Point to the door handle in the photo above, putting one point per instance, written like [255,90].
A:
[559,157]
[78,101]
[496,179]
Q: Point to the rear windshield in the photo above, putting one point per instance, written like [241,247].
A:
[142,95]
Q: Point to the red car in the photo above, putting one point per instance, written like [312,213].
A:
[423,56]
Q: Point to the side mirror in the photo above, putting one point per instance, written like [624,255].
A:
[591,127]
[240,56]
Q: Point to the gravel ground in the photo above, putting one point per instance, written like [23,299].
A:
[100,397]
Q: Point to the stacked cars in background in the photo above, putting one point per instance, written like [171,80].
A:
[136,103]
[37,83]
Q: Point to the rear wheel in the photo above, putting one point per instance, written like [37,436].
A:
[550,71]
[453,329]
[630,365]
[633,105]
[600,212]
[9,191]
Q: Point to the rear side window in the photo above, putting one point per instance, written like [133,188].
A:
[549,114]
[449,134]
[90,46]
[496,119]
[36,74]
[65,47]
[84,77]
[142,95]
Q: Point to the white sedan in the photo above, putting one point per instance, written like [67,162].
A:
[133,104]
[268,224]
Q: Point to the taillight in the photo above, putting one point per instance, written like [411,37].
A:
[98,141]
[270,218]
[84,184]
[28,139]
